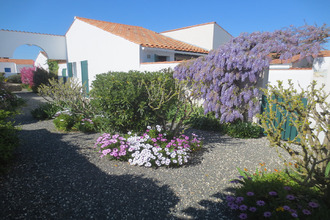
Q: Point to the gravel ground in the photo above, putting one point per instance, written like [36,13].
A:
[60,176]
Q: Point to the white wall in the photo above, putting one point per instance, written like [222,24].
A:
[103,50]
[298,76]
[12,67]
[145,51]
[20,66]
[151,67]
[54,45]
[208,36]
[220,36]
[41,61]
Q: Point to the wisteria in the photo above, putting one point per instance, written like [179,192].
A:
[226,79]
[153,148]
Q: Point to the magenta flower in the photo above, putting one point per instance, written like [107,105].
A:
[253,209]
[243,207]
[230,198]
[250,193]
[287,188]
[260,203]
[239,199]
[273,193]
[313,204]
[290,197]
[243,216]
[295,215]
[306,212]
[286,207]
[267,214]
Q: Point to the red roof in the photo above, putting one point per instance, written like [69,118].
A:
[323,53]
[17,61]
[142,36]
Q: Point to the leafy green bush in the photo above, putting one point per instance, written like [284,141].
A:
[123,99]
[8,137]
[84,124]
[41,76]
[8,100]
[199,120]
[241,129]
[64,122]
[14,78]
[274,195]
[45,111]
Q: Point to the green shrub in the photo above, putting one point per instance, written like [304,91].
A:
[8,137]
[123,99]
[14,78]
[84,124]
[8,100]
[199,120]
[45,111]
[273,195]
[41,76]
[241,129]
[64,122]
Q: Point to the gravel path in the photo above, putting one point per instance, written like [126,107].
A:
[60,176]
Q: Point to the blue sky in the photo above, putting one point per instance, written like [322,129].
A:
[236,16]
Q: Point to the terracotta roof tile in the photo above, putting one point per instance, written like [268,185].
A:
[323,53]
[142,36]
[17,61]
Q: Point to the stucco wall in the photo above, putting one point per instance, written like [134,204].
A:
[54,45]
[201,36]
[103,50]
[12,67]
[208,36]
[41,61]
[151,67]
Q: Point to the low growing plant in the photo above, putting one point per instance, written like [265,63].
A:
[84,124]
[14,78]
[240,129]
[45,111]
[153,148]
[273,195]
[8,137]
[64,122]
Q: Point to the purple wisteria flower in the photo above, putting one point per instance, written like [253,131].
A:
[267,214]
[306,212]
[260,203]
[253,209]
[273,193]
[290,197]
[243,216]
[313,204]
[250,193]
[243,207]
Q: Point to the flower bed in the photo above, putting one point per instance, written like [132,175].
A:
[153,148]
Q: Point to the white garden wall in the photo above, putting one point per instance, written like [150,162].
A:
[151,67]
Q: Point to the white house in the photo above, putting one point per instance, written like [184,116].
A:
[14,66]
[208,36]
[41,62]
[95,47]
[301,72]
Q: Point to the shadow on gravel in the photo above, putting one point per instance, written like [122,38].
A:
[51,180]
[212,209]
[209,138]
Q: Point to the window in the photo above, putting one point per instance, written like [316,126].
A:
[7,70]
[160,58]
[179,57]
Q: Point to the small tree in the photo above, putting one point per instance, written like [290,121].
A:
[69,95]
[311,153]
[53,66]
[27,75]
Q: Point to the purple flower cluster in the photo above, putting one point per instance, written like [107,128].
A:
[87,120]
[227,77]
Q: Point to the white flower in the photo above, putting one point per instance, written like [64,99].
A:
[148,127]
